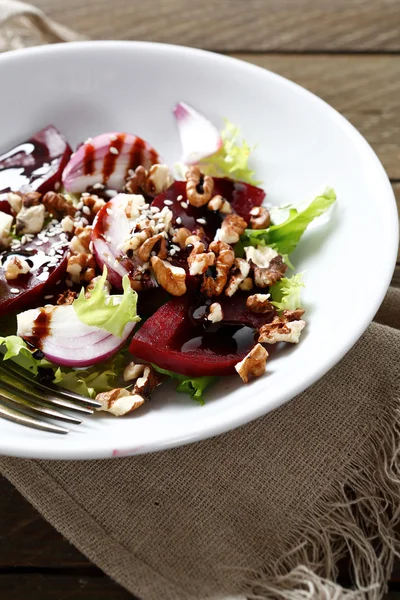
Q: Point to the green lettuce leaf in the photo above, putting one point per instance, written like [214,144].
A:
[18,351]
[286,293]
[111,313]
[232,159]
[194,386]
[285,236]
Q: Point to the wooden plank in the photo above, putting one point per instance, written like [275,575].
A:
[233,25]
[27,539]
[48,586]
[366,90]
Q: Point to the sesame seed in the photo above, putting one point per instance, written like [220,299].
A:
[79,206]
[178,220]
[86,210]
[14,290]
[85,195]
[113,138]
[113,150]
[172,252]
[184,204]
[111,193]
[154,209]
[98,186]
[23,239]
[180,197]
[168,202]
[57,186]
[39,243]
[49,297]
[84,221]
[201,221]
[58,282]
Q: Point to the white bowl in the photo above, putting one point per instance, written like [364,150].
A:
[303,146]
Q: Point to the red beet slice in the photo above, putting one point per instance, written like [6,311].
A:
[170,340]
[49,263]
[242,196]
[36,164]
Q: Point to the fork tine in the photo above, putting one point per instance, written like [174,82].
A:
[20,386]
[88,402]
[33,406]
[6,412]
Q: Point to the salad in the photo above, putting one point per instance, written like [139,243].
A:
[117,275]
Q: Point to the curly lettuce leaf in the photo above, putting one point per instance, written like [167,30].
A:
[194,386]
[286,293]
[111,313]
[18,351]
[232,160]
[285,236]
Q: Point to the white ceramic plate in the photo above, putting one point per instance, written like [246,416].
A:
[303,146]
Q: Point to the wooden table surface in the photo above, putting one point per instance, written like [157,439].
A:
[348,53]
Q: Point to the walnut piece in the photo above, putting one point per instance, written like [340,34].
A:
[81,267]
[94,204]
[239,273]
[199,187]
[258,303]
[15,201]
[15,267]
[136,181]
[224,259]
[215,314]
[180,237]
[80,243]
[158,180]
[66,297]
[67,224]
[259,218]
[157,244]
[232,228]
[30,219]
[58,206]
[218,203]
[293,315]
[31,199]
[133,371]
[172,279]
[281,330]
[246,285]
[6,222]
[198,260]
[254,364]
[264,277]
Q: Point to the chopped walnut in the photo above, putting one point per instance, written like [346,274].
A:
[81,267]
[232,228]
[93,203]
[259,303]
[89,289]
[6,222]
[246,285]
[281,330]
[135,183]
[134,242]
[293,315]
[15,267]
[156,244]
[121,402]
[133,371]
[30,219]
[172,279]
[58,206]
[181,236]
[215,314]
[68,224]
[66,297]
[15,201]
[260,256]
[239,273]
[31,199]
[80,243]
[158,180]
[225,257]
[254,364]
[199,188]
[218,203]
[198,260]
[259,218]
[264,277]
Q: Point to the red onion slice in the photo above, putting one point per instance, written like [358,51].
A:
[199,137]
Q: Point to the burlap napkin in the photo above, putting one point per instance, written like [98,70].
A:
[266,511]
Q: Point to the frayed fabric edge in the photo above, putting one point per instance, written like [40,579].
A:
[356,521]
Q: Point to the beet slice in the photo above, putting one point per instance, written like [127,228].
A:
[242,197]
[36,164]
[170,340]
[49,262]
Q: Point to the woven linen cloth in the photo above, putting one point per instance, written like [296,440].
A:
[265,511]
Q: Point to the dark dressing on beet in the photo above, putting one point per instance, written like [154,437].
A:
[224,342]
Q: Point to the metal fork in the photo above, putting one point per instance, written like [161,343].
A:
[26,401]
